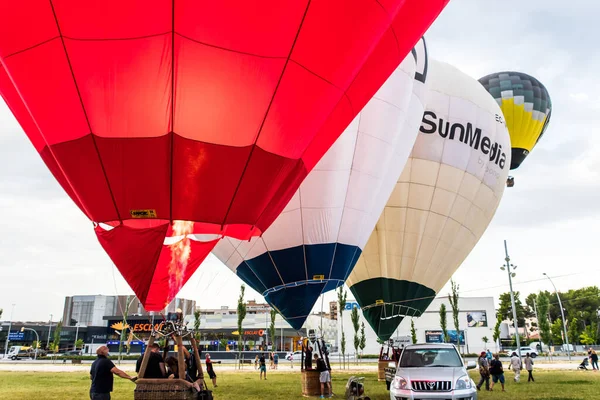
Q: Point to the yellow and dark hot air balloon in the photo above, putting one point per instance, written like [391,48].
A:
[526,106]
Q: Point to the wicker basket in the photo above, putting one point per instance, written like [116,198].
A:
[159,389]
[381,366]
[310,383]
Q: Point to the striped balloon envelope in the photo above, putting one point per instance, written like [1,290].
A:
[315,242]
[441,205]
[526,106]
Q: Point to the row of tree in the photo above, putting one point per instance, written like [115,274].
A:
[581,309]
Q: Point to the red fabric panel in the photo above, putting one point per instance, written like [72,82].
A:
[221,96]
[148,265]
[135,252]
[121,81]
[79,162]
[265,28]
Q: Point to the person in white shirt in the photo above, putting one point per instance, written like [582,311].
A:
[529,368]
[516,365]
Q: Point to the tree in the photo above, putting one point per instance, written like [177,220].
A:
[223,342]
[55,345]
[79,344]
[363,339]
[543,305]
[589,336]
[453,297]
[485,340]
[356,326]
[413,332]
[496,336]
[241,314]
[1,311]
[444,322]
[574,331]
[272,328]
[557,332]
[197,324]
[342,294]
[505,309]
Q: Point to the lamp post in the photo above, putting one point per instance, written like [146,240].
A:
[23,329]
[49,332]
[562,313]
[8,333]
[512,296]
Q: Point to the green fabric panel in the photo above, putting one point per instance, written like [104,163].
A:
[406,295]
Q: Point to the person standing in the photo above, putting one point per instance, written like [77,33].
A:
[308,357]
[497,372]
[155,369]
[263,366]
[101,374]
[488,355]
[276,359]
[484,371]
[324,377]
[210,370]
[516,365]
[529,367]
[594,359]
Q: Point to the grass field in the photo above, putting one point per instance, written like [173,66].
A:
[555,385]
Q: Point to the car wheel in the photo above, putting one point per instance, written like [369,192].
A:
[533,355]
[13,358]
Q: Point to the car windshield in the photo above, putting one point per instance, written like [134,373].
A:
[418,358]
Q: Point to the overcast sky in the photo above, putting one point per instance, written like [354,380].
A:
[551,217]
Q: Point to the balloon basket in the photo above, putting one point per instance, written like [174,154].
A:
[159,389]
[381,366]
[310,383]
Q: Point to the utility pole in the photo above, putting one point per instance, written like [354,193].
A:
[512,297]
[562,313]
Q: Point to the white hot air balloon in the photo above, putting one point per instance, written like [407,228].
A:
[443,201]
[315,242]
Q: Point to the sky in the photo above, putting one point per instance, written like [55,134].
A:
[550,218]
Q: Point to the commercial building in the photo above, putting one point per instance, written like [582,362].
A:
[477,318]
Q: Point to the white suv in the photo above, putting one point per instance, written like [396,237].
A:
[432,371]
[532,353]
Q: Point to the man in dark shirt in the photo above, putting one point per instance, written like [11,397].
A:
[308,357]
[101,375]
[263,366]
[156,365]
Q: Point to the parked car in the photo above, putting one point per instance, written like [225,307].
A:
[295,356]
[526,349]
[432,371]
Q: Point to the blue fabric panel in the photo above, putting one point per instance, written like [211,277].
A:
[295,303]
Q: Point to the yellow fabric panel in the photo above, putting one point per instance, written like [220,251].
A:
[523,129]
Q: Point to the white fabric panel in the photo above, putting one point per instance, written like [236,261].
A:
[449,190]
[342,198]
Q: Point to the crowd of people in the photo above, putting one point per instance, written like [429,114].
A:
[159,366]
[260,362]
[490,366]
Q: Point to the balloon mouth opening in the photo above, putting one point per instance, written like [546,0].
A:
[319,281]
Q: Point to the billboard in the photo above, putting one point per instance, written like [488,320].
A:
[476,319]
[436,336]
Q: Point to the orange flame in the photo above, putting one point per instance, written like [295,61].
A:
[180,255]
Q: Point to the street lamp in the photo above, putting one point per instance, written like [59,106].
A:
[512,296]
[8,333]
[562,313]
[23,329]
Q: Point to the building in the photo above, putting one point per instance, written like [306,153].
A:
[333,310]
[91,310]
[477,318]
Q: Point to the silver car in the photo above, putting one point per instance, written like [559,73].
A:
[432,372]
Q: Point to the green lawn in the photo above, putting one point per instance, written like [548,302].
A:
[558,385]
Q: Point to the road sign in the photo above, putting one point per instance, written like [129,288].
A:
[16,336]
